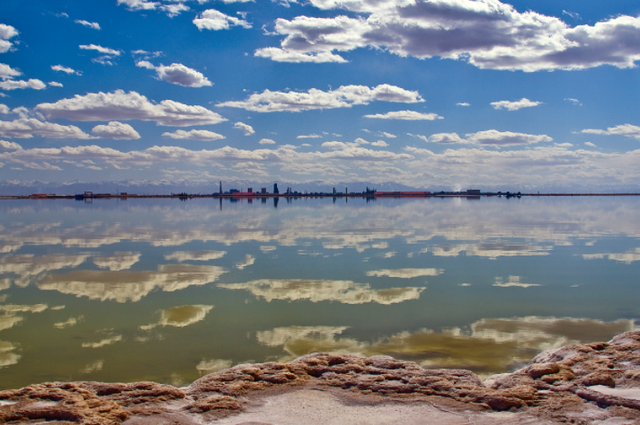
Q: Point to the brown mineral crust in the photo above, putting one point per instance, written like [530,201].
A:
[557,386]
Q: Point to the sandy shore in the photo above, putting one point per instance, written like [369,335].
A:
[596,383]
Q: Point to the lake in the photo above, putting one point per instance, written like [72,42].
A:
[169,290]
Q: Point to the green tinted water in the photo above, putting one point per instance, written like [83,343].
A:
[168,291]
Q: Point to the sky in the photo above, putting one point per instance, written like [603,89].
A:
[446,94]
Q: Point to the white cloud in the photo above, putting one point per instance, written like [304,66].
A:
[139,4]
[115,130]
[103,50]
[505,138]
[487,34]
[177,73]
[309,136]
[574,101]
[389,135]
[30,84]
[94,25]
[514,106]
[7,72]
[4,109]
[55,84]
[119,105]
[9,146]
[103,60]
[463,104]
[212,19]
[204,135]
[445,138]
[380,144]
[174,9]
[267,142]
[245,128]
[590,144]
[406,115]
[26,128]
[342,97]
[487,137]
[7,32]
[279,55]
[63,69]
[626,130]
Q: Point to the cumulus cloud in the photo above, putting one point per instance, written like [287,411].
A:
[7,32]
[309,136]
[212,19]
[115,130]
[55,84]
[380,144]
[486,33]
[505,138]
[63,69]
[139,4]
[245,128]
[204,135]
[342,97]
[177,73]
[174,9]
[9,146]
[6,72]
[26,128]
[445,138]
[94,25]
[626,130]
[280,55]
[15,84]
[267,142]
[406,116]
[103,50]
[119,105]
[514,106]
[463,104]
[487,137]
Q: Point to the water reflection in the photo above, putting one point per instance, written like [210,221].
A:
[129,286]
[107,291]
[489,345]
[342,291]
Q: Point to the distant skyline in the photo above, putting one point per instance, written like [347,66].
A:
[438,94]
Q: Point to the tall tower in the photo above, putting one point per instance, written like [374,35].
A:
[275,189]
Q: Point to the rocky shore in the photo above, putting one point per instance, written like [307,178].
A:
[595,383]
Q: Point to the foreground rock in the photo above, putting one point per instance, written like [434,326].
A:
[581,384]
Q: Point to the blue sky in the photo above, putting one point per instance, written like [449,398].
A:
[441,93]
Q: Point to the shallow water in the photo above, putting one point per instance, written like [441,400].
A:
[164,290]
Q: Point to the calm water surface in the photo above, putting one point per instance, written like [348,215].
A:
[168,291]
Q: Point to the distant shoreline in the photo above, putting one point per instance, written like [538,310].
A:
[244,195]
